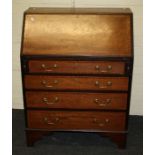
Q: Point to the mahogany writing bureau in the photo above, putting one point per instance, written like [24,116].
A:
[77,71]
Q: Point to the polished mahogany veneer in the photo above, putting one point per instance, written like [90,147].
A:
[76,67]
[61,120]
[61,34]
[75,83]
[76,100]
[77,71]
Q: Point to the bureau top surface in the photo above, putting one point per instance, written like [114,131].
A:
[39,10]
[77,32]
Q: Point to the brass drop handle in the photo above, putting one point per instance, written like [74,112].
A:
[54,122]
[109,67]
[45,100]
[44,83]
[109,83]
[47,69]
[102,103]
[106,121]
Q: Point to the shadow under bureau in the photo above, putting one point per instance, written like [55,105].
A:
[77,71]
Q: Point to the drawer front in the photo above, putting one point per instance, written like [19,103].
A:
[76,67]
[76,100]
[75,83]
[60,120]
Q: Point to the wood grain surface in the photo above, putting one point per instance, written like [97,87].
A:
[75,83]
[76,100]
[61,120]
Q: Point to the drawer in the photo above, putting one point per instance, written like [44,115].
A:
[75,83]
[68,100]
[76,67]
[63,120]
